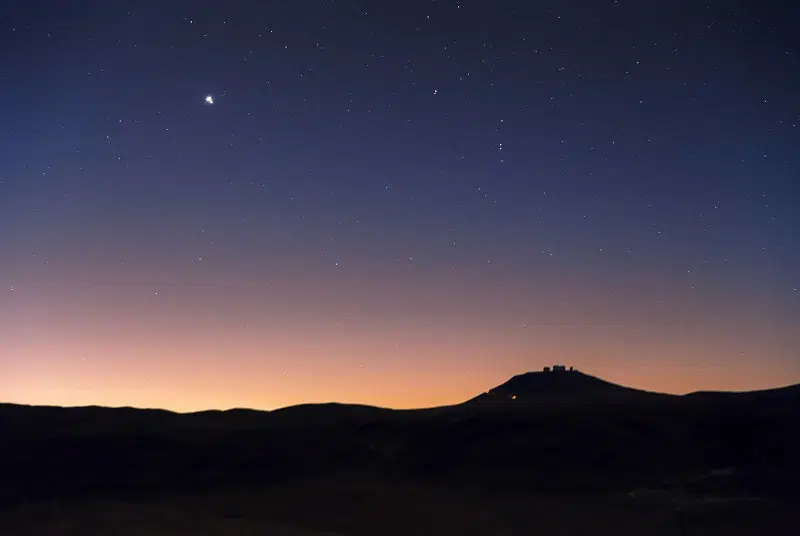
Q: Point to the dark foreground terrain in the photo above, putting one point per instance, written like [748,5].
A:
[545,453]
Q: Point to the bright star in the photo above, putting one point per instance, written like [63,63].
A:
[209,99]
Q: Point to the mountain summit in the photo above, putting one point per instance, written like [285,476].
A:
[559,384]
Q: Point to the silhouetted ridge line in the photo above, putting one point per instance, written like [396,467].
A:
[559,384]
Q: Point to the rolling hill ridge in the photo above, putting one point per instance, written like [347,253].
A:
[562,385]
[543,431]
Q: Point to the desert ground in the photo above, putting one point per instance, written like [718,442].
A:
[328,508]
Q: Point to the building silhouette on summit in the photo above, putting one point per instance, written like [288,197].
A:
[558,368]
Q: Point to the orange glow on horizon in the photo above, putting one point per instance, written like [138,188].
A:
[402,345]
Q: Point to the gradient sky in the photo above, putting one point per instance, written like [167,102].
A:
[394,203]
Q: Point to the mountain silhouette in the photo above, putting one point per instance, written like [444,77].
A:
[540,431]
[788,393]
[564,386]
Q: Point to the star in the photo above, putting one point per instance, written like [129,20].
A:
[209,99]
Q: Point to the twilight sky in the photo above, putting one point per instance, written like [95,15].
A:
[394,203]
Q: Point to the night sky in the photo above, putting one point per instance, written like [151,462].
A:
[263,203]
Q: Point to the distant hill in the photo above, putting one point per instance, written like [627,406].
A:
[544,431]
[568,386]
[787,393]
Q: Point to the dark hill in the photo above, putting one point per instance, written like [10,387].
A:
[578,443]
[789,393]
[562,387]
